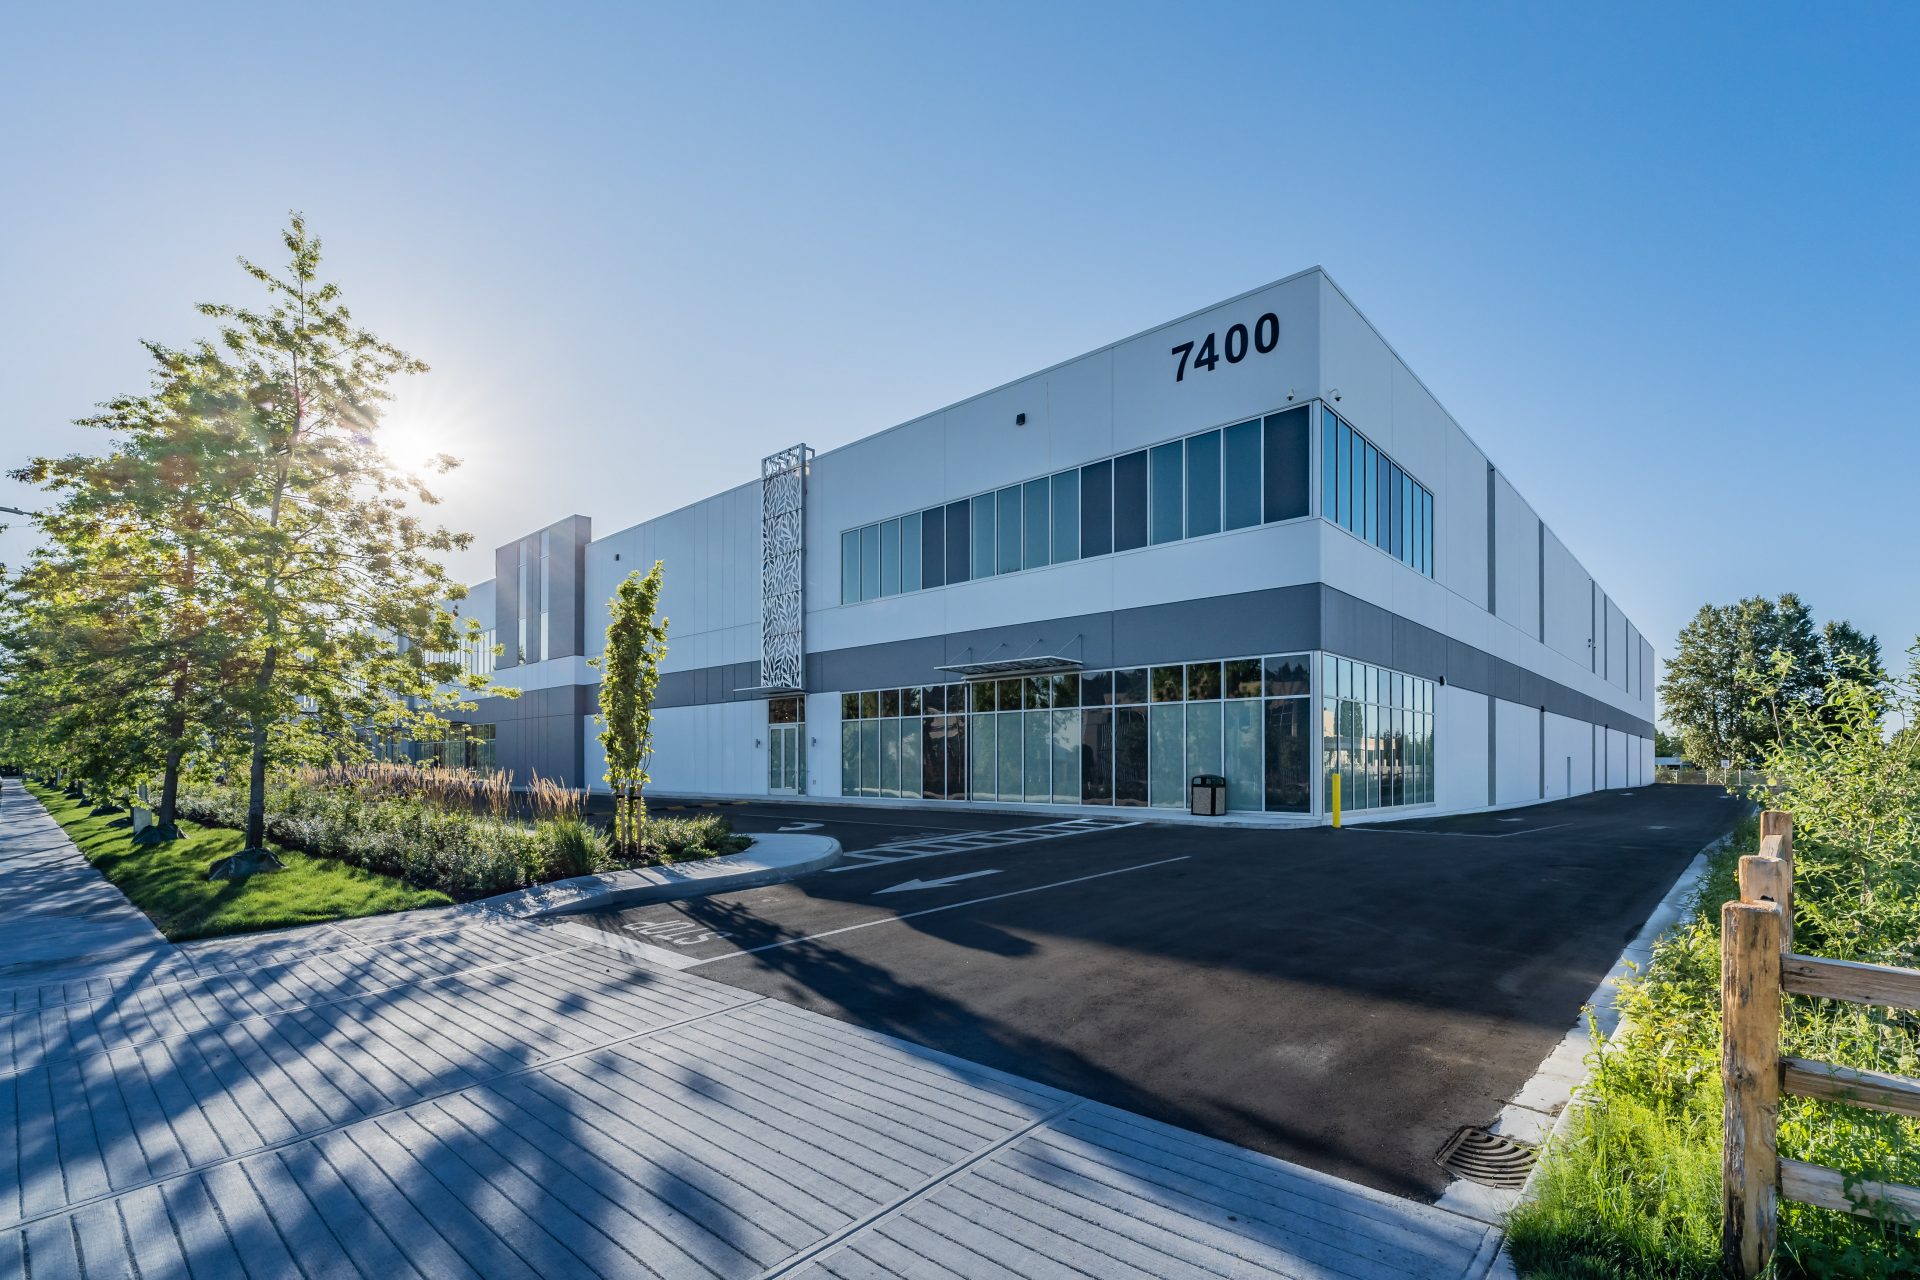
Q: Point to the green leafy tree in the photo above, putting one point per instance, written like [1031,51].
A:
[629,675]
[339,585]
[1724,694]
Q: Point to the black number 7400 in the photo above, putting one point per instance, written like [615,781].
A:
[1266,336]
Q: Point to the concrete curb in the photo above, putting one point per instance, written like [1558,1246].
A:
[772,859]
[1542,1111]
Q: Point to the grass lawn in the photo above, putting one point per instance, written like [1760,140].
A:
[169,881]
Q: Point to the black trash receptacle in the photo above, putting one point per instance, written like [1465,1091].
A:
[1207,795]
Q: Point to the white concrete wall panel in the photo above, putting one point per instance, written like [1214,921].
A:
[1516,559]
[1617,759]
[1569,605]
[1569,764]
[1516,752]
[1460,749]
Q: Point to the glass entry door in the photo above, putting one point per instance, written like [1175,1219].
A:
[786,747]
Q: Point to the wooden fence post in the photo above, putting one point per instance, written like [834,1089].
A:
[1776,841]
[1750,1071]
[1769,880]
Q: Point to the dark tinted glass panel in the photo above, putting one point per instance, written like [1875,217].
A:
[933,699]
[1355,486]
[783,710]
[1038,523]
[1286,676]
[1096,756]
[1066,690]
[1286,759]
[1203,681]
[849,706]
[1203,484]
[1241,446]
[1009,694]
[1096,689]
[1169,684]
[1129,755]
[1370,495]
[1383,502]
[1286,464]
[1243,678]
[1328,469]
[1130,685]
[959,539]
[1007,503]
[849,566]
[1391,497]
[980,696]
[1066,517]
[983,565]
[1166,489]
[910,556]
[956,757]
[869,704]
[890,558]
[910,702]
[933,758]
[1130,502]
[870,562]
[1036,693]
[933,548]
[889,702]
[1096,509]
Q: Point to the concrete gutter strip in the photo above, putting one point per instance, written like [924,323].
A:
[772,859]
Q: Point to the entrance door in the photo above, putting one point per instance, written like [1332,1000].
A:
[786,747]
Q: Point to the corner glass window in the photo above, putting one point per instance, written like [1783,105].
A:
[1165,489]
[1203,484]
[1288,676]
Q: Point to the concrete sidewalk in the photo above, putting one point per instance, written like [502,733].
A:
[500,1097]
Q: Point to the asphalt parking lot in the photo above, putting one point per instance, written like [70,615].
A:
[1342,999]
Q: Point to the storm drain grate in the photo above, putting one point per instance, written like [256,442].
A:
[1486,1158]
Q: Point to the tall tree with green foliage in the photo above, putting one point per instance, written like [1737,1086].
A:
[1727,696]
[339,584]
[629,675]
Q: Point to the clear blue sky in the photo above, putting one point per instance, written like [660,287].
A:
[1659,261]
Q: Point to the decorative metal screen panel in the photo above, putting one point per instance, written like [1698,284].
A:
[783,538]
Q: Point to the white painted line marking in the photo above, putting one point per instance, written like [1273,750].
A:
[801,826]
[907,885]
[927,911]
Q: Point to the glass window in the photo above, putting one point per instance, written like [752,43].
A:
[889,702]
[912,776]
[980,775]
[849,706]
[1329,432]
[1096,756]
[1385,540]
[1066,689]
[1130,755]
[890,558]
[869,704]
[1286,464]
[1203,484]
[983,564]
[849,566]
[889,758]
[1066,517]
[1355,485]
[1203,737]
[1241,476]
[959,540]
[870,761]
[1035,729]
[1244,771]
[870,562]
[1426,533]
[1007,729]
[850,757]
[1096,688]
[1130,502]
[1243,678]
[1065,745]
[1007,694]
[1039,521]
[933,547]
[1288,675]
[910,702]
[1169,684]
[1286,755]
[1035,691]
[1165,489]
[1203,681]
[1096,509]
[1007,503]
[1130,685]
[1369,493]
[980,696]
[1396,531]
[1167,780]
[910,555]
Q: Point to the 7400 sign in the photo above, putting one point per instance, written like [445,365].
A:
[1264,338]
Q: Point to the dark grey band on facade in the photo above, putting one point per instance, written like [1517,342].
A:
[1276,620]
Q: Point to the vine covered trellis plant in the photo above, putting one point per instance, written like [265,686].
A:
[629,675]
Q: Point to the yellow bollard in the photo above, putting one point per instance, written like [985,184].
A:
[1336,799]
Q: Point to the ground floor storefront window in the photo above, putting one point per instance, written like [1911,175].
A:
[1376,733]
[1130,737]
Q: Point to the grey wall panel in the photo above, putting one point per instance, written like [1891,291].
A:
[506,601]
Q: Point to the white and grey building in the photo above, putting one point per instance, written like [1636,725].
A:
[1249,542]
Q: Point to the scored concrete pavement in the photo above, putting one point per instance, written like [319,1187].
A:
[1341,999]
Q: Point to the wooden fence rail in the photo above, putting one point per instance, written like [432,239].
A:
[1757,966]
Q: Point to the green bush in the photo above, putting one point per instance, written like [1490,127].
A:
[1632,1189]
[568,847]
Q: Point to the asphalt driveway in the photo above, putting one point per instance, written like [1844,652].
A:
[1343,999]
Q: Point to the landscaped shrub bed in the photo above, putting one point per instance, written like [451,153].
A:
[1633,1189]
[467,839]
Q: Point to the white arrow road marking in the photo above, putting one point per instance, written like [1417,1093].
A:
[941,883]
[801,826]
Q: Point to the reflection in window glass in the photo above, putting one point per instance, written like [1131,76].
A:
[1329,470]
[1096,756]
[959,540]
[1243,678]
[1034,729]
[1130,685]
[910,768]
[1203,680]
[869,704]
[1286,464]
[983,564]
[1169,684]
[1130,755]
[980,696]
[933,547]
[1096,688]
[1286,756]
[870,562]
[1007,502]
[1066,517]
[870,757]
[850,757]
[1007,730]
[1130,501]
[1065,744]
[910,555]
[1203,484]
[980,775]
[890,558]
[1241,482]
[1244,770]
[1203,737]
[1096,509]
[1288,675]
[850,566]
[1167,784]
[1165,487]
[1039,523]
[1008,693]
[1066,690]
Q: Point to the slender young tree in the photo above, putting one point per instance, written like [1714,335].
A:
[629,675]
[339,584]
